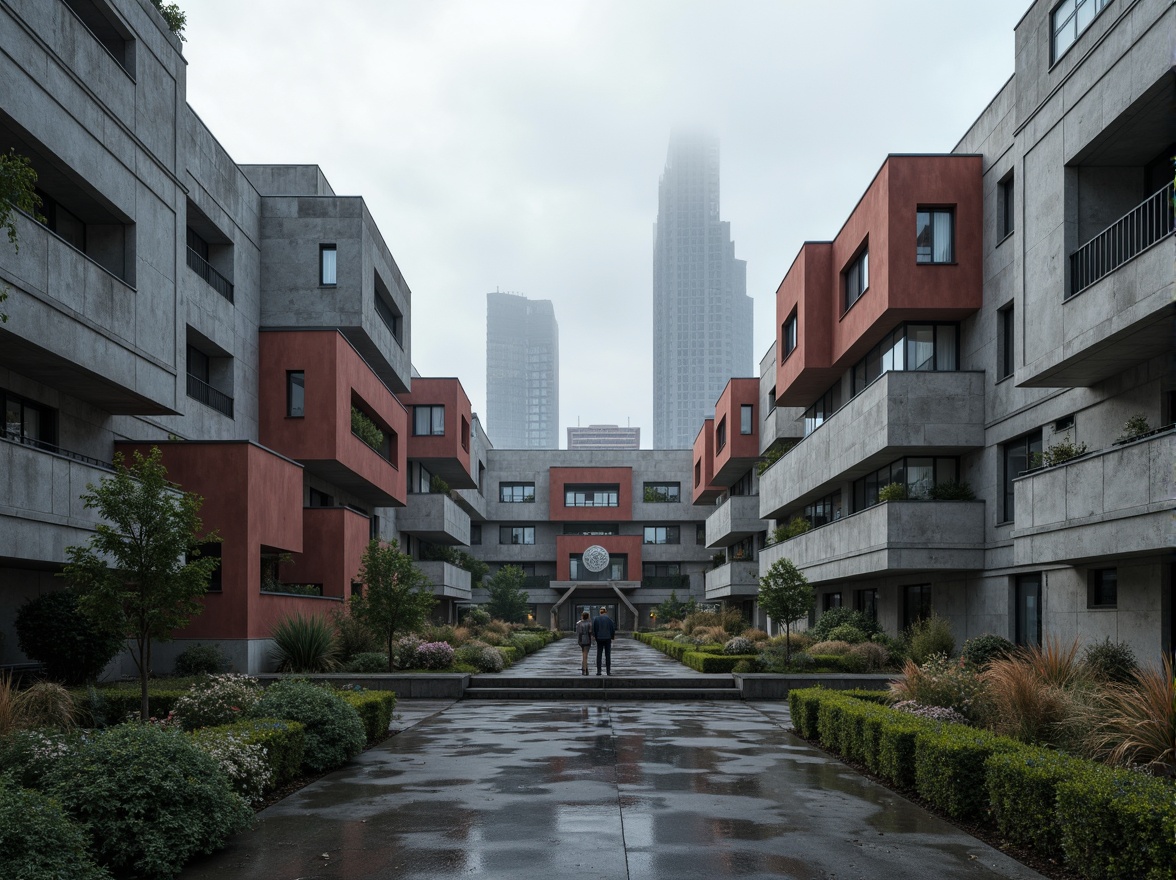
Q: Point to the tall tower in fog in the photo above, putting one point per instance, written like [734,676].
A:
[522,372]
[702,315]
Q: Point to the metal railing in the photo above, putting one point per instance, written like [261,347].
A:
[213,278]
[536,581]
[200,390]
[13,437]
[666,582]
[1127,237]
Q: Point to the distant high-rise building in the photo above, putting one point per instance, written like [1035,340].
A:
[604,437]
[522,372]
[702,315]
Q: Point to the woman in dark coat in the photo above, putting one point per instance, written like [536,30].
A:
[584,640]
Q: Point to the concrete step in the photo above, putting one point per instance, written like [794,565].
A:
[602,693]
[589,682]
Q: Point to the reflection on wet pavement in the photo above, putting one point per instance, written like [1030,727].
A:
[632,790]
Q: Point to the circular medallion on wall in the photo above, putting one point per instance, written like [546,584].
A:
[595,558]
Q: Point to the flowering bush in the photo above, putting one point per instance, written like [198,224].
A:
[220,699]
[934,713]
[244,764]
[434,655]
[334,732]
[739,645]
[951,684]
[404,652]
[28,754]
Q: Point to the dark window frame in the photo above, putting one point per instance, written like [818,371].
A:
[913,611]
[516,535]
[295,410]
[667,535]
[855,278]
[432,409]
[1006,218]
[788,332]
[576,494]
[1054,30]
[1006,337]
[931,211]
[508,490]
[1028,586]
[1012,467]
[746,418]
[1102,589]
[672,491]
[324,249]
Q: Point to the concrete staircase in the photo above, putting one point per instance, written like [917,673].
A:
[602,688]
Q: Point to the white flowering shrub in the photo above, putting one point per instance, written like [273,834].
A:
[934,713]
[28,754]
[219,699]
[739,645]
[244,764]
[404,652]
[434,655]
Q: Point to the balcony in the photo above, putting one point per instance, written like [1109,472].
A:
[212,278]
[202,392]
[732,579]
[897,536]
[734,519]
[900,413]
[448,580]
[1111,503]
[435,518]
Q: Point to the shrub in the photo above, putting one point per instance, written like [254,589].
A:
[874,657]
[755,634]
[38,841]
[1137,722]
[931,713]
[949,768]
[1136,426]
[244,763]
[929,636]
[334,733]
[352,638]
[374,709]
[404,652]
[201,660]
[846,633]
[1062,451]
[831,648]
[305,644]
[219,699]
[940,682]
[283,743]
[950,490]
[480,656]
[27,755]
[980,651]
[438,633]
[45,704]
[52,630]
[893,492]
[1022,793]
[148,798]
[803,704]
[115,704]
[835,617]
[1110,661]
[434,655]
[712,663]
[739,645]
[745,666]
[798,525]
[477,617]
[1022,706]
[368,663]
[896,748]
[847,662]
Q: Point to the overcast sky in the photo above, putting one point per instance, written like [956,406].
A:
[518,145]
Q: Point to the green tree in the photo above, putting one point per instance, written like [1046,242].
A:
[397,596]
[175,17]
[142,574]
[674,608]
[18,192]
[508,601]
[786,597]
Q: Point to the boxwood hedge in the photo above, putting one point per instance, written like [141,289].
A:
[375,711]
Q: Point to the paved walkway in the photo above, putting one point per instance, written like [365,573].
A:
[629,658]
[635,790]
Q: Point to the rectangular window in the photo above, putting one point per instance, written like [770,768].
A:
[213,551]
[788,335]
[935,235]
[591,496]
[516,493]
[1068,20]
[616,570]
[746,418]
[29,423]
[662,493]
[295,394]
[816,414]
[662,534]
[1005,218]
[1017,457]
[700,534]
[428,421]
[1028,609]
[825,510]
[374,528]
[856,278]
[320,499]
[916,603]
[1004,343]
[1103,588]
[327,265]
[721,435]
[917,475]
[591,529]
[475,534]
[516,535]
[830,600]
[866,601]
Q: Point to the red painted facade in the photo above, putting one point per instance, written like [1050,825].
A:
[741,450]
[561,478]
[702,486]
[830,339]
[334,539]
[335,378]
[567,546]
[446,455]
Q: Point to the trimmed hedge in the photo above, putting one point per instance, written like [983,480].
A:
[710,663]
[950,768]
[1022,794]
[375,711]
[121,701]
[509,654]
[284,743]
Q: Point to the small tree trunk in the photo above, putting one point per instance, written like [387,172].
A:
[389,651]
[144,667]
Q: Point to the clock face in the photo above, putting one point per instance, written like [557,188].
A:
[595,558]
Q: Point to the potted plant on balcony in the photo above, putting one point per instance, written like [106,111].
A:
[1134,428]
[1062,451]
[893,492]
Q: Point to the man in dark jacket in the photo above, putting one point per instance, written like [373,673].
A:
[603,630]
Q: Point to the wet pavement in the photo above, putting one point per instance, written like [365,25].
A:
[629,658]
[635,790]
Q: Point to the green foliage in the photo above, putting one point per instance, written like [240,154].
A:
[367,663]
[438,486]
[847,633]
[1022,792]
[352,638]
[477,616]
[397,595]
[1118,824]
[980,651]
[950,768]
[950,490]
[174,16]
[26,755]
[656,495]
[1062,451]
[798,525]
[52,630]
[305,644]
[893,492]
[507,599]
[142,574]
[1110,661]
[785,596]
[480,656]
[119,702]
[803,706]
[714,663]
[929,636]
[366,430]
[18,182]
[941,682]
[773,454]
[476,567]
[217,700]
[1134,427]
[374,709]
[148,798]
[674,608]
[836,617]
[334,731]
[202,660]
[38,841]
[284,743]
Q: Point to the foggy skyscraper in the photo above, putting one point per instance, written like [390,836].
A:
[522,372]
[702,315]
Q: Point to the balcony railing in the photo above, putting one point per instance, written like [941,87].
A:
[213,278]
[666,582]
[1124,239]
[56,450]
[209,396]
[536,581]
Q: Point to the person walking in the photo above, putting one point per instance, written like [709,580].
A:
[603,630]
[584,640]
